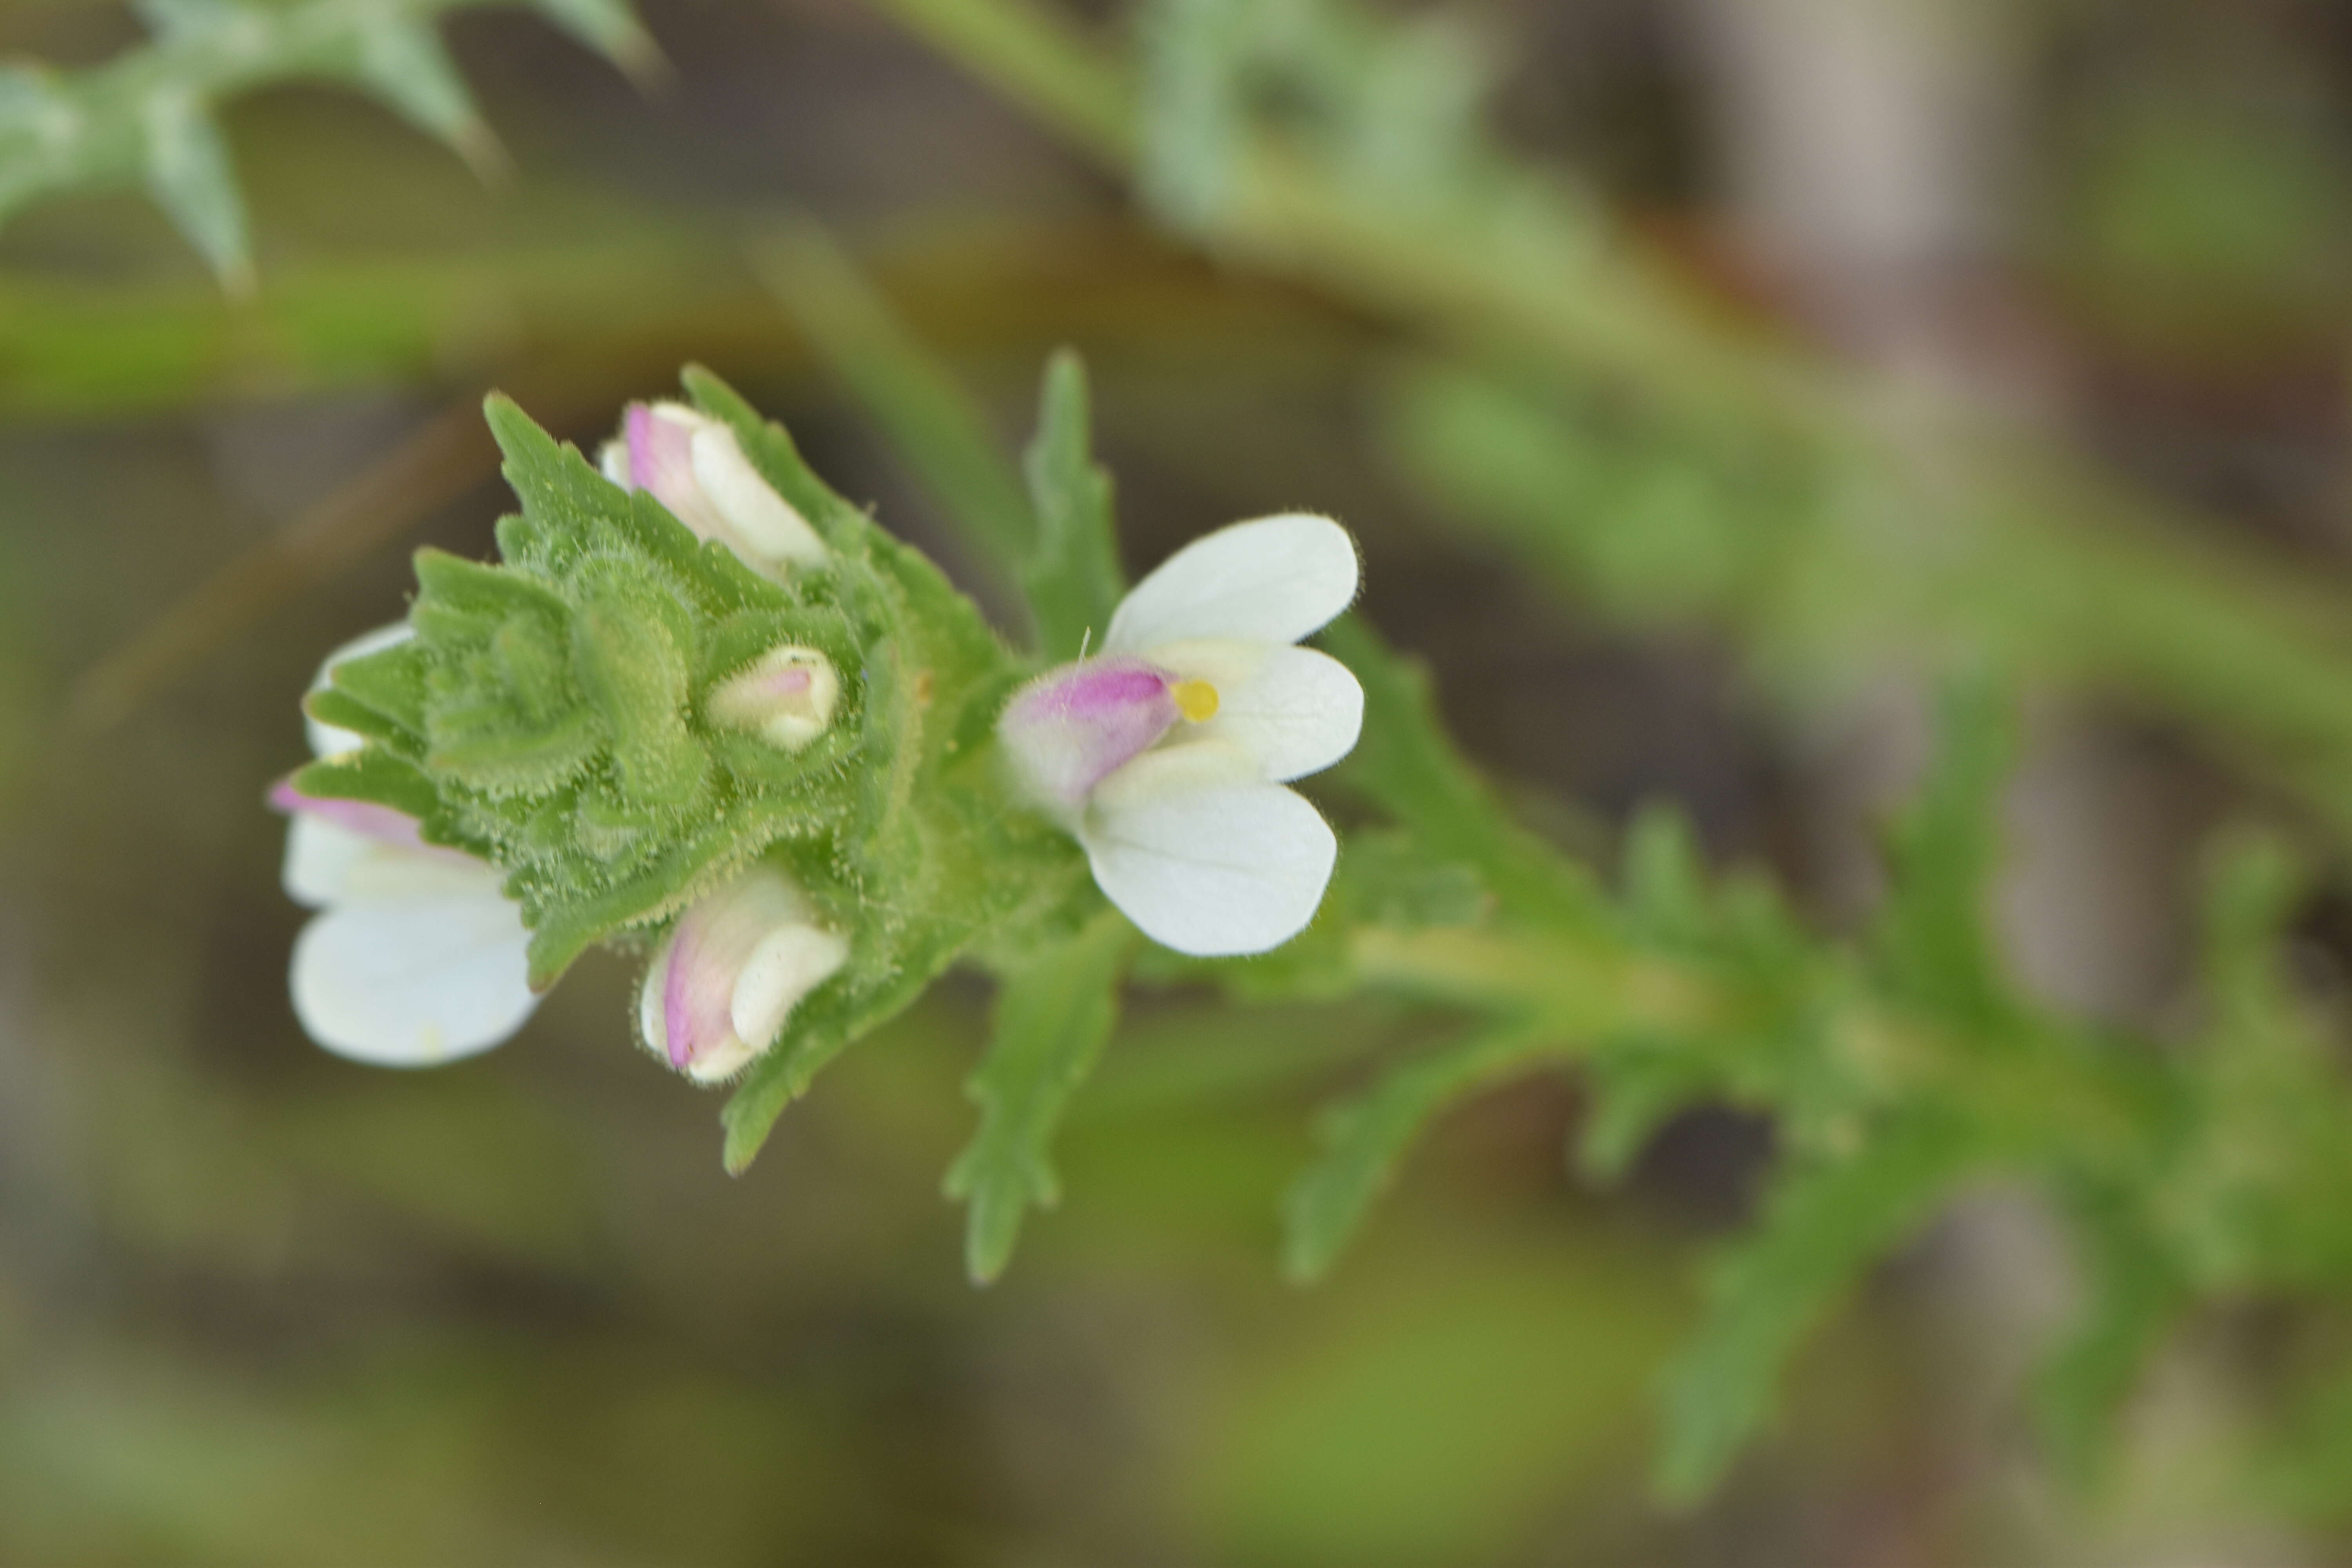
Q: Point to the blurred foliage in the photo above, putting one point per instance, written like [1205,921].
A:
[255,1311]
[147,117]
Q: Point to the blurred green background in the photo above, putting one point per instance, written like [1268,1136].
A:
[1618,458]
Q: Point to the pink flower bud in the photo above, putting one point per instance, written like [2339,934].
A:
[787,695]
[694,466]
[732,971]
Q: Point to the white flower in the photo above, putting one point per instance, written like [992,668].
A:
[695,467]
[416,956]
[732,971]
[1166,753]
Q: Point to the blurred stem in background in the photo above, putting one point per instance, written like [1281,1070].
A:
[1830,517]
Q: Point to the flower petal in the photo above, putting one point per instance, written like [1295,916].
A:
[1295,710]
[1274,580]
[788,964]
[1073,726]
[737,963]
[760,521]
[411,982]
[1215,868]
[319,858]
[328,740]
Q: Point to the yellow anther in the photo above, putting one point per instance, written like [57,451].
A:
[1196,700]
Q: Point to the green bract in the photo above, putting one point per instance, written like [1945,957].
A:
[551,716]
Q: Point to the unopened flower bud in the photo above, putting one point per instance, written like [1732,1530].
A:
[695,467]
[787,695]
[738,964]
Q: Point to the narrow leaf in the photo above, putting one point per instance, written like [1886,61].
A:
[1073,577]
[1366,1140]
[1052,1020]
[188,172]
[2135,1294]
[404,61]
[1822,1228]
[1934,936]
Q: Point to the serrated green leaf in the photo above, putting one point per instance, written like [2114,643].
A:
[1821,1228]
[371,775]
[1365,1140]
[1054,1014]
[390,681]
[339,709]
[1072,578]
[633,671]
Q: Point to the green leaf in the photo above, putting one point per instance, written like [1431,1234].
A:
[1637,1085]
[1365,1140]
[1408,766]
[390,681]
[404,61]
[146,116]
[1823,1227]
[1933,935]
[1665,882]
[188,174]
[610,28]
[2135,1296]
[1053,1017]
[373,776]
[1072,578]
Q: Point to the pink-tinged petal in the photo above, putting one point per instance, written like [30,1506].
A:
[1072,727]
[787,695]
[363,817]
[695,467]
[698,989]
[660,446]
[734,967]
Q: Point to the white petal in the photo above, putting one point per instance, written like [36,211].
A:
[1274,580]
[1295,710]
[318,860]
[761,521]
[413,981]
[788,964]
[326,739]
[329,859]
[1226,869]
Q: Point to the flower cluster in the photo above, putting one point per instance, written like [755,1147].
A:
[1167,756]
